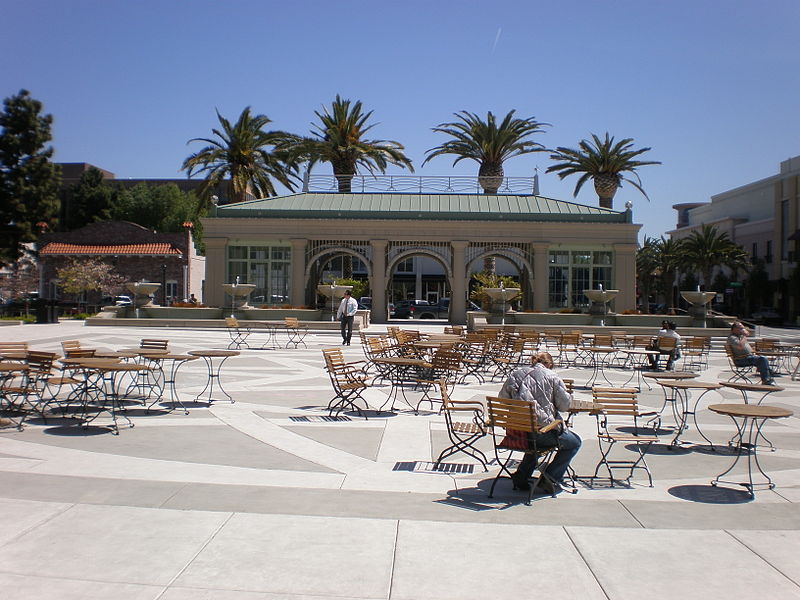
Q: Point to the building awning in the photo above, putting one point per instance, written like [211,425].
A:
[160,249]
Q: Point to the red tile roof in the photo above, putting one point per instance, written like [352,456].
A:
[151,249]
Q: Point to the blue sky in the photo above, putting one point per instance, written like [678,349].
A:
[711,85]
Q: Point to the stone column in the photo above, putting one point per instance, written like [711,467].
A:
[541,275]
[298,273]
[216,267]
[625,276]
[377,284]
[458,302]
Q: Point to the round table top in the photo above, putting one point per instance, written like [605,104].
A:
[690,385]
[677,375]
[643,352]
[106,364]
[90,361]
[214,353]
[174,357]
[606,349]
[751,387]
[143,351]
[9,367]
[751,410]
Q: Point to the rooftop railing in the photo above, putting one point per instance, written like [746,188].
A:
[417,184]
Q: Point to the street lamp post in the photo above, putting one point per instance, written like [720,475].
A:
[333,300]
[163,285]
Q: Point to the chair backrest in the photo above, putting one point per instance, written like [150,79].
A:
[13,346]
[154,344]
[231,322]
[695,344]
[569,384]
[642,341]
[510,413]
[603,339]
[291,322]
[39,363]
[666,342]
[80,353]
[616,401]
[334,358]
[765,345]
[570,340]
[449,360]
[68,345]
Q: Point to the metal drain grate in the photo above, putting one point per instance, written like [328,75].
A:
[419,466]
[319,419]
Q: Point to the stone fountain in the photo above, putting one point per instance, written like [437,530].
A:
[699,302]
[238,293]
[500,297]
[333,292]
[599,304]
[142,292]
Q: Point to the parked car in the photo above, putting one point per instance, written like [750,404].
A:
[366,301]
[440,310]
[767,316]
[402,308]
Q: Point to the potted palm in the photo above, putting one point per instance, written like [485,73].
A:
[602,161]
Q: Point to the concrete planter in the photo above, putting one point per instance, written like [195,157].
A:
[278,314]
[570,319]
[171,312]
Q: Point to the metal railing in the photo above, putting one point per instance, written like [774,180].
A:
[418,184]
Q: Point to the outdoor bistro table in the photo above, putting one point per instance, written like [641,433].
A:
[680,393]
[744,387]
[638,359]
[168,365]
[752,418]
[8,370]
[398,367]
[600,356]
[213,373]
[102,383]
[668,375]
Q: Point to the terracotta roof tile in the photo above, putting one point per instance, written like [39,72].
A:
[151,249]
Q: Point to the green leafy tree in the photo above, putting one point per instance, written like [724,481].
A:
[488,143]
[646,266]
[244,155]
[339,139]
[602,161]
[482,280]
[29,181]
[88,201]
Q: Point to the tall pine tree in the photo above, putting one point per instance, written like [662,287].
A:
[29,181]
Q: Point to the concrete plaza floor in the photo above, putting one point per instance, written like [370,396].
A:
[263,499]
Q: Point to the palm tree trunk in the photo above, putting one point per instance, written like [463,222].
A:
[490,176]
[490,265]
[606,186]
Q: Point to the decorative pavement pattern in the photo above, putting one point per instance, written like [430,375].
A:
[267,498]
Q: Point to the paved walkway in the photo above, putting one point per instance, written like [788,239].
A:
[264,499]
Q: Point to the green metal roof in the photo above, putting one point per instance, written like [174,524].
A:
[429,207]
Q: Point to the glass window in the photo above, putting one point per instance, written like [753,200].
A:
[237,252]
[577,271]
[267,267]
[559,257]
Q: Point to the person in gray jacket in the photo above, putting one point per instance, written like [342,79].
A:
[540,386]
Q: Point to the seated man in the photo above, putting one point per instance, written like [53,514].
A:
[743,355]
[668,330]
[544,389]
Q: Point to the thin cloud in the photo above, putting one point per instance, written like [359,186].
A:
[497,38]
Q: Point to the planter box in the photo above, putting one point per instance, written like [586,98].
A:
[171,312]
[547,319]
[278,314]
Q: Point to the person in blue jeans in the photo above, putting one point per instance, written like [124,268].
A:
[540,386]
[743,355]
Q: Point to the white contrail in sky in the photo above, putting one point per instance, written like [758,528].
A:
[497,38]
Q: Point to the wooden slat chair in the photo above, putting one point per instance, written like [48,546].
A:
[151,344]
[739,373]
[296,331]
[378,347]
[695,354]
[463,435]
[507,357]
[510,421]
[13,351]
[667,346]
[445,366]
[69,345]
[39,385]
[459,330]
[618,413]
[474,358]
[348,380]
[568,349]
[237,333]
[769,347]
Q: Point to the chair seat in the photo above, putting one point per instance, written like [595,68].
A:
[624,437]
[463,427]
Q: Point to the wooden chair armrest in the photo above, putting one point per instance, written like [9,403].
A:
[550,426]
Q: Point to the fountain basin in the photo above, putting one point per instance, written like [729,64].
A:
[601,296]
[141,292]
[698,298]
[239,292]
[336,291]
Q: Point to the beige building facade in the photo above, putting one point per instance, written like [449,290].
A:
[558,248]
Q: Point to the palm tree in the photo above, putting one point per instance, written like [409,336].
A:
[646,265]
[669,258]
[487,143]
[707,248]
[339,140]
[242,154]
[602,161]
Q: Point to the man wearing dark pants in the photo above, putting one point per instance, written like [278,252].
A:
[346,314]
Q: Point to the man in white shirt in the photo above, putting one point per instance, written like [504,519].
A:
[345,314]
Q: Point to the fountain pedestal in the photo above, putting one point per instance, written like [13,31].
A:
[333,293]
[698,308]
[501,297]
[599,304]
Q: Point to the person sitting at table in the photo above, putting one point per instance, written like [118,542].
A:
[540,386]
[668,330]
[743,355]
